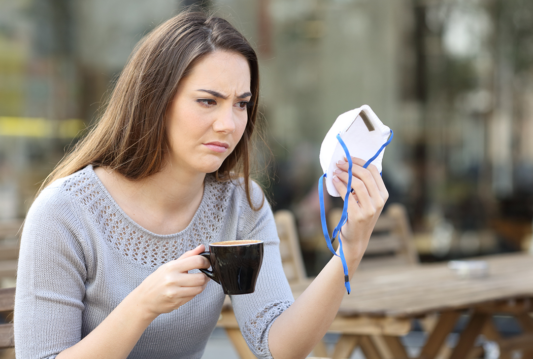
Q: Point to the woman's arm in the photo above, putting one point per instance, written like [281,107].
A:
[299,328]
[116,336]
[165,290]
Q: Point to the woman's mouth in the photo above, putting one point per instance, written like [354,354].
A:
[218,147]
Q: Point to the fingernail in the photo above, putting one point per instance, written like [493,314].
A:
[335,179]
[341,162]
[337,171]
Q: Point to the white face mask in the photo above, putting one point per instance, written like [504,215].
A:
[364,135]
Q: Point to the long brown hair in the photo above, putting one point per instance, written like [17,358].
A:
[131,135]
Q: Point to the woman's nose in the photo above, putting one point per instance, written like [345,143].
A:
[225,121]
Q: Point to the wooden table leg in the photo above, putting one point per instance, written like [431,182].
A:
[369,349]
[239,343]
[526,322]
[439,334]
[396,347]
[382,346]
[491,333]
[444,352]
[429,322]
[345,346]
[476,353]
[469,335]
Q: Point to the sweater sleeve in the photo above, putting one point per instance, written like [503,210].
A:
[50,279]
[257,312]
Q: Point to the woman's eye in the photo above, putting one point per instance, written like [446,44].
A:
[243,105]
[207,102]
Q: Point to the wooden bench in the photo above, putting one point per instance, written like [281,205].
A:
[9,249]
[10,232]
[289,247]
[7,303]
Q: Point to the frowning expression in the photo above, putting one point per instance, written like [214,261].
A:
[208,115]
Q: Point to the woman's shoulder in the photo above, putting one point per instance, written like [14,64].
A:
[56,198]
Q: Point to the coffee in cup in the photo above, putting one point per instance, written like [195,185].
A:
[235,265]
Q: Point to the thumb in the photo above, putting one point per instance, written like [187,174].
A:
[193,252]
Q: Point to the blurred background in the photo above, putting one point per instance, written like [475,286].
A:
[452,78]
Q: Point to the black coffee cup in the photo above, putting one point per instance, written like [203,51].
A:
[235,265]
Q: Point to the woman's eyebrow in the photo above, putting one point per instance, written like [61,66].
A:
[219,95]
[244,95]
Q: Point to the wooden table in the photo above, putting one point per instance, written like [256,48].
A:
[383,303]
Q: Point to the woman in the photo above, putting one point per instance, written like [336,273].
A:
[110,250]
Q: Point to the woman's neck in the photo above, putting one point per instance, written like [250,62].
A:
[163,203]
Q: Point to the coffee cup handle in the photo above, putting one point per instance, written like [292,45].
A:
[207,272]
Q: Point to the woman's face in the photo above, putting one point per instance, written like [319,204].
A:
[207,117]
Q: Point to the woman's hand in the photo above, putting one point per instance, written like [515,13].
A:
[171,286]
[365,204]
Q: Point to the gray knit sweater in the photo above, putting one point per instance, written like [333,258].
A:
[81,255]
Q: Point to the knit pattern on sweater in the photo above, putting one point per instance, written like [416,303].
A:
[131,240]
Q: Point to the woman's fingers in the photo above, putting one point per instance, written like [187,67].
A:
[366,176]
[182,295]
[371,177]
[171,285]
[375,173]
[363,174]
[354,206]
[365,203]
[186,264]
[362,197]
[192,279]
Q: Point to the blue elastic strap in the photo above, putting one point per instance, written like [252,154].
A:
[344,216]
[377,153]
